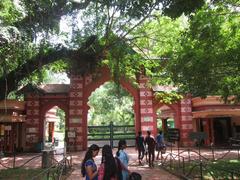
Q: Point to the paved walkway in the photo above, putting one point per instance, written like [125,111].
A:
[155,173]
[147,173]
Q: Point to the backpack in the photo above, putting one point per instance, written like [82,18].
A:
[150,142]
[139,141]
[135,176]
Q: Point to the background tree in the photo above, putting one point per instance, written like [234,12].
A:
[155,40]
[61,124]
[110,103]
[207,60]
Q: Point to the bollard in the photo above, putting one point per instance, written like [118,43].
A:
[47,158]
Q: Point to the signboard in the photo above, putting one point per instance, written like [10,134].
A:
[8,128]
[173,134]
[71,134]
[197,136]
[146,119]
[2,130]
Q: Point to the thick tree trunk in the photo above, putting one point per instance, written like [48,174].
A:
[11,81]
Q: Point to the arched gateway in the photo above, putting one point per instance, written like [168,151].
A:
[73,100]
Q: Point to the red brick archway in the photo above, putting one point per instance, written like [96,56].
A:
[73,100]
[173,107]
[37,105]
[91,87]
[45,107]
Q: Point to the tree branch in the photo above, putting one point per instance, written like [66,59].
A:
[10,81]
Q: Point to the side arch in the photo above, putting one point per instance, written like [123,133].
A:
[45,107]
[174,107]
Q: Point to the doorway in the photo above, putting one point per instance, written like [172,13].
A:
[222,130]
[54,129]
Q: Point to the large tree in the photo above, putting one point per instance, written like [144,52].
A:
[99,31]
[207,61]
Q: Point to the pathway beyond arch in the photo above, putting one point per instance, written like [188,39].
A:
[147,173]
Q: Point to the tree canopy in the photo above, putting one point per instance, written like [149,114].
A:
[199,54]
[92,33]
[207,59]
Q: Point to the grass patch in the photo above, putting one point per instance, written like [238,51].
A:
[23,174]
[224,169]
[19,173]
[221,169]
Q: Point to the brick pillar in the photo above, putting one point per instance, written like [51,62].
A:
[88,79]
[206,129]
[186,125]
[164,124]
[146,107]
[74,131]
[33,134]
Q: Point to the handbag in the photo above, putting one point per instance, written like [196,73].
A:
[101,172]
[163,150]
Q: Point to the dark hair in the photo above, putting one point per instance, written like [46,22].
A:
[88,155]
[160,132]
[135,176]
[121,143]
[139,133]
[110,169]
[149,132]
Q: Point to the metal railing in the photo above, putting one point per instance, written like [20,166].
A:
[193,164]
[56,170]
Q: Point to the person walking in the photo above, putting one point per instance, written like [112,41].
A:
[160,144]
[88,167]
[123,157]
[151,143]
[140,147]
[110,168]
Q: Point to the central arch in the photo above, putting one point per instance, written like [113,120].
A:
[91,87]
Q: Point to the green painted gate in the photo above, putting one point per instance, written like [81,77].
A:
[111,134]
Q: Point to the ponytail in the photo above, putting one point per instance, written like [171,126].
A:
[121,143]
[117,153]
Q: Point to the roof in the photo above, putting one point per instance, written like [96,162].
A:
[210,101]
[10,118]
[12,104]
[45,88]
[30,88]
[216,113]
[55,88]
[167,89]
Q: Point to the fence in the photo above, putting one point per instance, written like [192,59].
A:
[110,134]
[60,165]
[194,164]
[57,170]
